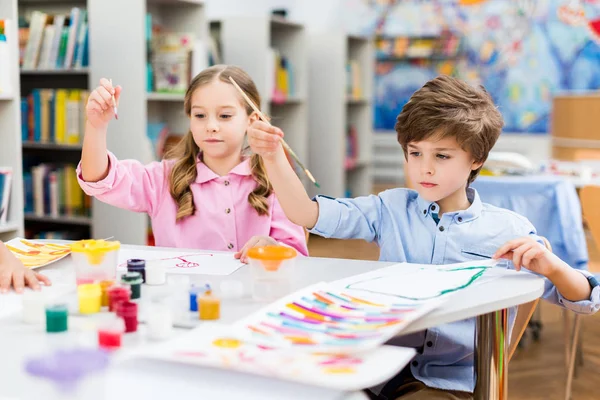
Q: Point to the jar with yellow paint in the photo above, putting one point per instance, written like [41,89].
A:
[90,298]
[95,260]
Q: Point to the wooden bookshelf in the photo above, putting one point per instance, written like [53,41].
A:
[27,145]
[61,219]
[247,42]
[58,71]
[333,109]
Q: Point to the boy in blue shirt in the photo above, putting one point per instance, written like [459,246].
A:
[446,130]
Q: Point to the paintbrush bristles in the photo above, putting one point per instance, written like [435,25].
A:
[262,117]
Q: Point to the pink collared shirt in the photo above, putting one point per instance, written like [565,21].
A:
[224,219]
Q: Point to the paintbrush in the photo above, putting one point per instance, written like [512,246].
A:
[285,145]
[114,102]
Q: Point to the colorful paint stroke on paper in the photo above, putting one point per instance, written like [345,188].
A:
[214,346]
[322,318]
[37,254]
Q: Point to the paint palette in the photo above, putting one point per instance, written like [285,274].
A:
[213,346]
[322,318]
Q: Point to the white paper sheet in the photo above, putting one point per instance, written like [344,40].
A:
[185,262]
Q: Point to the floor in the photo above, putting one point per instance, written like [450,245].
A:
[537,370]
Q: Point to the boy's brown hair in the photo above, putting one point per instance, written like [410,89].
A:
[448,107]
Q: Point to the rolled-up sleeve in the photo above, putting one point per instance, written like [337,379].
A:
[285,231]
[129,184]
[358,218]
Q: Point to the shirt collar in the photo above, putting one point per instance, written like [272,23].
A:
[205,174]
[474,210]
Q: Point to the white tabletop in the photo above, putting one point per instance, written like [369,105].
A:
[19,341]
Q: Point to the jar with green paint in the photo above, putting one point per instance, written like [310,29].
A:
[134,281]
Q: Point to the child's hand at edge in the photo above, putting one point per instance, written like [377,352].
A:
[264,139]
[255,241]
[100,107]
[13,271]
[527,252]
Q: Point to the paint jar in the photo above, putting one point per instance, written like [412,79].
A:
[134,281]
[271,269]
[137,265]
[34,307]
[56,318]
[209,306]
[129,312]
[159,322]
[66,374]
[116,295]
[89,296]
[95,260]
[156,272]
[110,332]
[193,292]
[104,285]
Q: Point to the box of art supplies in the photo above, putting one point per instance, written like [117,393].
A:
[271,268]
[95,260]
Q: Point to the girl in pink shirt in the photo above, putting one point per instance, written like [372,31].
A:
[208,192]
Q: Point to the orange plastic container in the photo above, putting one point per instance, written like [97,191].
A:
[272,268]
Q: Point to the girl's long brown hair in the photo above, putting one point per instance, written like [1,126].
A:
[186,152]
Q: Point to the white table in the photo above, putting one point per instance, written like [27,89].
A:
[485,301]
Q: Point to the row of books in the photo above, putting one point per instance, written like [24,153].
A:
[5,186]
[54,116]
[445,46]
[173,58]
[281,76]
[52,190]
[5,59]
[354,88]
[58,41]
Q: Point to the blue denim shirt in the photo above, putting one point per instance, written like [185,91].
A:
[400,222]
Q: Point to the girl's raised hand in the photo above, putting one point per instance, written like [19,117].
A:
[100,107]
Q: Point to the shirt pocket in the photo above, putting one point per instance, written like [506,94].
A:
[478,252]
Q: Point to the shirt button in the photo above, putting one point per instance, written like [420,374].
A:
[424,211]
[433,207]
[441,229]
[230,246]
[226,183]
[459,219]
[415,363]
[429,343]
[227,210]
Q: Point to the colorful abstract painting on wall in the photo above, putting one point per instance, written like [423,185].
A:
[522,51]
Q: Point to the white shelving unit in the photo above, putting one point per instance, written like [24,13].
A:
[71,78]
[10,127]
[331,111]
[246,42]
[118,35]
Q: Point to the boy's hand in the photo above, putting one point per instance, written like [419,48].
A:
[255,241]
[530,254]
[13,271]
[265,139]
[100,107]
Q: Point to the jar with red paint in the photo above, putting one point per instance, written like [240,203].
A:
[129,312]
[110,332]
[116,295]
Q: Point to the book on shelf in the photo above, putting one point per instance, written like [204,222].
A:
[353,81]
[352,152]
[6,61]
[5,188]
[58,41]
[54,116]
[173,58]
[52,190]
[281,77]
